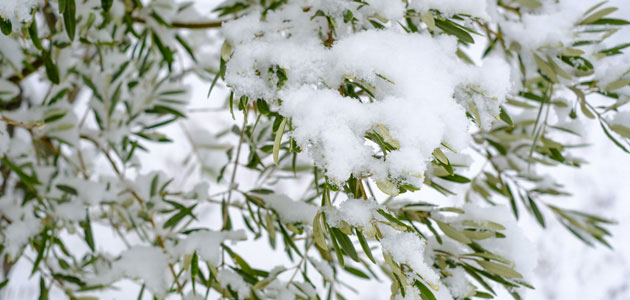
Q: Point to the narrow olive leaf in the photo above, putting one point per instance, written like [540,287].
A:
[425,292]
[621,130]
[278,140]
[505,117]
[598,15]
[530,3]
[356,272]
[40,246]
[441,157]
[43,291]
[51,68]
[453,29]
[336,247]
[478,235]
[345,243]
[453,233]
[62,6]
[539,216]
[318,235]
[546,69]
[393,219]
[428,19]
[87,230]
[557,69]
[499,269]
[194,265]
[617,84]
[67,189]
[572,52]
[32,32]
[456,178]
[70,18]
[364,245]
[612,138]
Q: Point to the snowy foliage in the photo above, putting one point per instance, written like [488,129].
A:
[378,138]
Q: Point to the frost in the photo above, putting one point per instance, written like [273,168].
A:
[207,244]
[288,210]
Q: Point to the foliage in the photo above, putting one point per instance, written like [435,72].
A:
[111,83]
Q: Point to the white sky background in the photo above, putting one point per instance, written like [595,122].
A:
[566,269]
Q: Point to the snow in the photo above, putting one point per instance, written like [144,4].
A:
[516,246]
[5,139]
[288,210]
[323,268]
[17,234]
[407,248]
[355,212]
[458,284]
[229,278]
[476,8]
[11,51]
[413,86]
[148,264]
[18,11]
[207,244]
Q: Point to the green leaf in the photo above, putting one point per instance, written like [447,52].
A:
[617,84]
[530,3]
[364,245]
[454,29]
[621,130]
[425,292]
[356,272]
[456,178]
[612,138]
[546,69]
[67,189]
[539,216]
[499,269]
[87,230]
[453,233]
[5,26]
[318,234]
[278,140]
[32,32]
[177,217]
[106,4]
[393,219]
[505,117]
[51,68]
[28,180]
[43,291]
[345,243]
[40,247]
[69,18]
